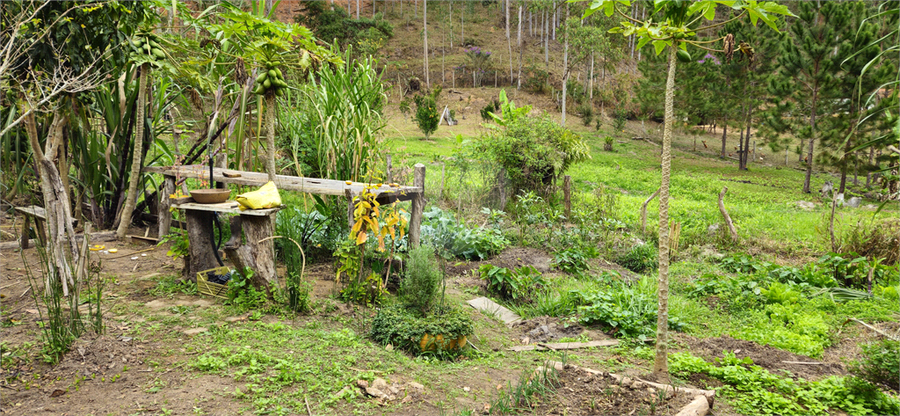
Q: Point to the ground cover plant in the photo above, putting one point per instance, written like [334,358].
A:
[542,210]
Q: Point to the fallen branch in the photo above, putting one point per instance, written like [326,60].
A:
[803,362]
[878,331]
[728,222]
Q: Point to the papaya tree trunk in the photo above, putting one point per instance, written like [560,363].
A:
[661,364]
[270,134]
[134,179]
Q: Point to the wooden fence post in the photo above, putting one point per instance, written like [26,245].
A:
[389,176]
[731,230]
[164,217]
[418,205]
[567,195]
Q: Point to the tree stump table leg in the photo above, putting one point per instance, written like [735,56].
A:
[24,237]
[164,217]
[200,235]
[257,255]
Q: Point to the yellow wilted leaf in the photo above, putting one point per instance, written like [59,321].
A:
[361,238]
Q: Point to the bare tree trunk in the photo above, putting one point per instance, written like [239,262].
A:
[546,37]
[56,203]
[450,26]
[134,179]
[809,164]
[591,81]
[724,134]
[357,9]
[425,35]
[661,364]
[509,43]
[519,44]
[270,134]
[644,211]
[565,72]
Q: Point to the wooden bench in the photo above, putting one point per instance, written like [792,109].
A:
[40,217]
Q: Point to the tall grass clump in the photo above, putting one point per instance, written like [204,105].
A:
[335,123]
[63,322]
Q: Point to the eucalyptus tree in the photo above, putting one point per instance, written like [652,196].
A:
[671,29]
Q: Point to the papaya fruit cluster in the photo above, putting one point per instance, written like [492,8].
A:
[147,44]
[270,78]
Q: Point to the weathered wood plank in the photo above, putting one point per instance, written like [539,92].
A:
[564,345]
[228,207]
[291,183]
[164,217]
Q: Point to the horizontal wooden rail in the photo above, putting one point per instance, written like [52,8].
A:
[291,183]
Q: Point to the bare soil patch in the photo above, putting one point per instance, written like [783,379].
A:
[583,393]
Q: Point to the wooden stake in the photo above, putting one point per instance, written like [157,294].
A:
[567,195]
[390,176]
[728,222]
[164,217]
[418,205]
[644,211]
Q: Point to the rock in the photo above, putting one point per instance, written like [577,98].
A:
[394,390]
[362,384]
[378,394]
[805,205]
[195,331]
[636,385]
[379,383]
[416,386]
[854,202]
[389,347]
[713,229]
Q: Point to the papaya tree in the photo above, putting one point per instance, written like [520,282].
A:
[671,28]
[147,53]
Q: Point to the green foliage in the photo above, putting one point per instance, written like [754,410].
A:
[333,127]
[625,310]
[640,258]
[369,291]
[587,113]
[533,151]
[789,327]
[427,116]
[242,295]
[531,388]
[781,293]
[753,390]
[879,363]
[334,24]
[621,116]
[518,286]
[537,80]
[179,243]
[423,281]
[573,260]
[299,293]
[508,111]
[442,230]
[404,329]
[492,107]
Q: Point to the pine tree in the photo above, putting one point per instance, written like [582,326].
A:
[805,85]
[851,96]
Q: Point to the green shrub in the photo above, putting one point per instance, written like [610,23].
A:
[587,113]
[519,285]
[537,80]
[422,284]
[627,310]
[404,329]
[442,230]
[619,122]
[491,107]
[608,143]
[879,363]
[427,116]
[533,151]
[641,258]
[573,260]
